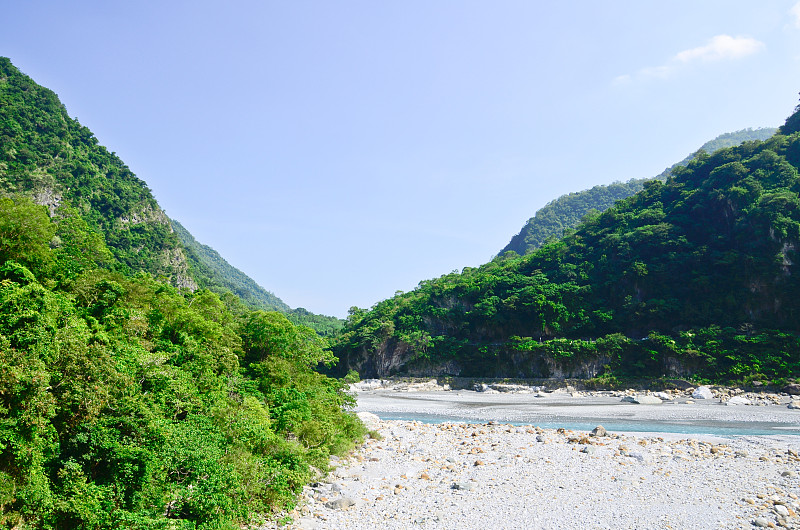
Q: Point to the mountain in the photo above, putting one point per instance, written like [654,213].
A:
[213,272]
[693,276]
[51,157]
[48,155]
[566,212]
[129,396]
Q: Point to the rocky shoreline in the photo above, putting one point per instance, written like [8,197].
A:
[494,475]
[486,474]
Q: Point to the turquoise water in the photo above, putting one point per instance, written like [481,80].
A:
[715,428]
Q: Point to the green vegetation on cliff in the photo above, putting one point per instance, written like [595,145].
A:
[566,212]
[48,155]
[127,401]
[696,275]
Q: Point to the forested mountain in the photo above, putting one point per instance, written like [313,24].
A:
[214,273]
[566,212]
[128,400]
[48,155]
[696,275]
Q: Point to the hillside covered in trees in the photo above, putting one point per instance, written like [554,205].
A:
[693,276]
[131,397]
[50,157]
[567,211]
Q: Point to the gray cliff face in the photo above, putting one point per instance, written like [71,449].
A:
[399,358]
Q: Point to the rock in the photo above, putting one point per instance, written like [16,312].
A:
[540,438]
[647,400]
[663,396]
[702,392]
[789,474]
[738,400]
[305,524]
[341,503]
[761,522]
[463,486]
[370,420]
[794,405]
[588,449]
[642,457]
[781,510]
[599,431]
[792,389]
[628,399]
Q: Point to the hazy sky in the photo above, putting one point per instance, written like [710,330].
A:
[339,151]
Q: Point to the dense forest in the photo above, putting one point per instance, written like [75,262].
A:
[567,211]
[692,276]
[129,397]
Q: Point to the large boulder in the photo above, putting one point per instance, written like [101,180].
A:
[702,392]
[792,389]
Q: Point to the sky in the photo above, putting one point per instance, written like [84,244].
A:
[338,152]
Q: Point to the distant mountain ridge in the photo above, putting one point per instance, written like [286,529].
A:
[566,212]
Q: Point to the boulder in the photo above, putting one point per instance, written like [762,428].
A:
[647,400]
[341,503]
[663,396]
[370,420]
[792,389]
[702,392]
[794,405]
[738,400]
[599,431]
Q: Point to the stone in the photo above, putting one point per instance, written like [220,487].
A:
[599,431]
[781,510]
[463,486]
[305,523]
[792,389]
[370,420]
[341,503]
[761,522]
[789,474]
[794,405]
[628,399]
[647,400]
[540,438]
[589,450]
[738,400]
[663,396]
[702,392]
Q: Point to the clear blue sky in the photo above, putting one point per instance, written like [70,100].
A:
[339,151]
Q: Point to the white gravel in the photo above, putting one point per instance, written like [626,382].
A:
[493,475]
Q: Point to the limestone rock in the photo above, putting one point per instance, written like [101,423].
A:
[702,392]
[370,420]
[599,431]
[792,389]
[647,400]
[341,503]
[738,400]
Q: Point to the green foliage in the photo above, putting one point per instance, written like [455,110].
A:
[46,154]
[122,400]
[708,254]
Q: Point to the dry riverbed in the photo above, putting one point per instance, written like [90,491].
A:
[487,474]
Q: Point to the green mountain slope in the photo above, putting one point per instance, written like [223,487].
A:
[695,275]
[213,272]
[48,155]
[566,212]
[127,400]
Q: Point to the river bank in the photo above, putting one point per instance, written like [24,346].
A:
[483,472]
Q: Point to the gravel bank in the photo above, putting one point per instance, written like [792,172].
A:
[494,475]
[486,474]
